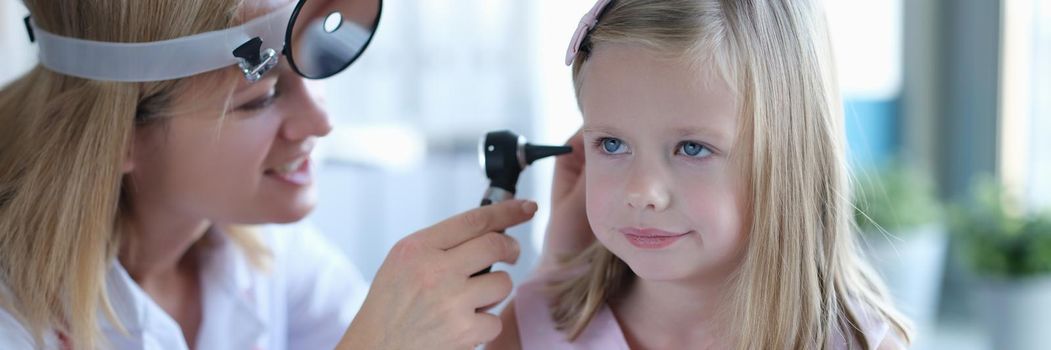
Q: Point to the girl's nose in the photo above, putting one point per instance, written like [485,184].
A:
[647,190]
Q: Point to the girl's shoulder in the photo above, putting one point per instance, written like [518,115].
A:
[529,314]
[878,331]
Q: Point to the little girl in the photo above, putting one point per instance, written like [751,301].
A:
[716,187]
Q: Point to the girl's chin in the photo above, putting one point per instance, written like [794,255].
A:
[656,274]
[664,269]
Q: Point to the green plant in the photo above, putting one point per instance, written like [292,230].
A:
[894,198]
[998,238]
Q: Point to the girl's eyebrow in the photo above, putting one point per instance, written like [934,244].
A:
[601,128]
[716,136]
[701,131]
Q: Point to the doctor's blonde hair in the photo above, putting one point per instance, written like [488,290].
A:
[63,140]
[801,280]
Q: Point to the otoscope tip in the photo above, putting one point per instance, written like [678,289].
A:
[534,152]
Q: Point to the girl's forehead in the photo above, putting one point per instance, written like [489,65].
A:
[637,95]
[629,83]
[632,70]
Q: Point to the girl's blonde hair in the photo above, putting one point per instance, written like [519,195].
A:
[63,140]
[801,280]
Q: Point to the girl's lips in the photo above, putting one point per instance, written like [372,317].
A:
[651,238]
[650,232]
[299,177]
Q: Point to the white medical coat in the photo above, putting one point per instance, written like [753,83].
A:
[305,301]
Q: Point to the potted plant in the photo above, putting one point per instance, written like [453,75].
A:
[904,236]
[1009,251]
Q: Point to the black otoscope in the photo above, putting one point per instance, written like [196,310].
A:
[504,154]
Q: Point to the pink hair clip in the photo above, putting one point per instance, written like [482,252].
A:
[587,23]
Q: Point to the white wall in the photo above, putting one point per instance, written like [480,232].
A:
[19,54]
[1039,112]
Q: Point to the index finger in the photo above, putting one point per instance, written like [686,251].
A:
[478,221]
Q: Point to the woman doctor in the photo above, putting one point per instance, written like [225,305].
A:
[139,158]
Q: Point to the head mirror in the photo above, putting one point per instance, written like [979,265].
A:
[326,36]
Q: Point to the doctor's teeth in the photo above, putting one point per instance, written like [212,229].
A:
[290,167]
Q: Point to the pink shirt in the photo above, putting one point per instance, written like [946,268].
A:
[536,329]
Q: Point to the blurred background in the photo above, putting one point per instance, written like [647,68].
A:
[948,111]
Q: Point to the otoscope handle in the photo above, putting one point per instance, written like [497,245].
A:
[496,194]
[504,155]
[493,195]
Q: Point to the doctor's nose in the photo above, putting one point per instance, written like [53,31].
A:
[309,117]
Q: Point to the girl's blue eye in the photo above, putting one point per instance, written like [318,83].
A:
[611,145]
[693,149]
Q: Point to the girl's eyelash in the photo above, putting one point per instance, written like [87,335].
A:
[679,147]
[597,142]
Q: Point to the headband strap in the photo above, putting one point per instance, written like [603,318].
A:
[162,60]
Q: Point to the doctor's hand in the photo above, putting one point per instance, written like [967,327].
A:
[568,231]
[424,297]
